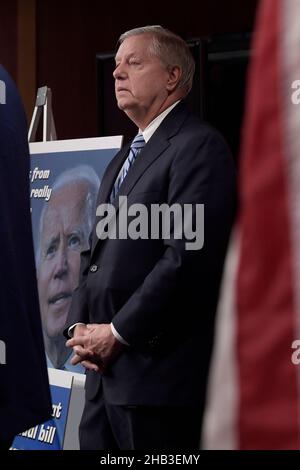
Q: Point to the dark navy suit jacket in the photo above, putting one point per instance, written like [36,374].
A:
[161,297]
[24,389]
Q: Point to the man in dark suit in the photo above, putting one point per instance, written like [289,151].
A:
[142,316]
[24,388]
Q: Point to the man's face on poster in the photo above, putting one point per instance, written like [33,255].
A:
[63,237]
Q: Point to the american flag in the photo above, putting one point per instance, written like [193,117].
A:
[254,390]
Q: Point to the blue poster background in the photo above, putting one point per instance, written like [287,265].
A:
[50,435]
[51,169]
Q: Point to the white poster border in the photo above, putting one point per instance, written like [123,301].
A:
[71,145]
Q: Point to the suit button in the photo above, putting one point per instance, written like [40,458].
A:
[93,268]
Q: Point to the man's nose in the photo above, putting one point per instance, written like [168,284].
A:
[61,264]
[119,72]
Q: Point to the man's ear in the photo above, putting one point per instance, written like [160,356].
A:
[175,73]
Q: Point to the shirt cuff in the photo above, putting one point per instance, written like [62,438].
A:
[71,329]
[116,335]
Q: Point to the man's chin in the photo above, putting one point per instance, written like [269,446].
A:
[121,106]
[55,318]
[55,332]
[125,104]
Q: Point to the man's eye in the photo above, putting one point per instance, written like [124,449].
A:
[50,251]
[74,241]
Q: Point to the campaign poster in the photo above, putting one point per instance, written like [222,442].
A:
[64,181]
[50,435]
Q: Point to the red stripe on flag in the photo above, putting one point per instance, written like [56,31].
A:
[268,409]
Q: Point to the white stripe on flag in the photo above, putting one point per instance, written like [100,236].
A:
[219,426]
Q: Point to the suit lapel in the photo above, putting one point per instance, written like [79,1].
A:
[148,155]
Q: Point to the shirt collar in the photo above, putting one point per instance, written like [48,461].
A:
[151,128]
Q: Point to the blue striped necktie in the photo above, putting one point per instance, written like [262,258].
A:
[135,148]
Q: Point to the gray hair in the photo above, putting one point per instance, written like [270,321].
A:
[171,49]
[79,174]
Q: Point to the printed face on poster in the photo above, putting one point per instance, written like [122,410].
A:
[64,181]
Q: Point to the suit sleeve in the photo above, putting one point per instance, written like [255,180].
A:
[202,172]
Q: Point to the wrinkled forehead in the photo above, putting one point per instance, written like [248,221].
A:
[73,192]
[65,210]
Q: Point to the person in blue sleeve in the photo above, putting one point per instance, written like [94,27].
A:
[24,387]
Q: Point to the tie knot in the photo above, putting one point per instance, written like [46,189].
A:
[138,142]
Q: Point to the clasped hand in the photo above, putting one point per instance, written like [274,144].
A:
[94,346]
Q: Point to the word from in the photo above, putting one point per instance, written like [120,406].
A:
[37,174]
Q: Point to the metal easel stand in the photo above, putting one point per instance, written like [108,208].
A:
[43,105]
